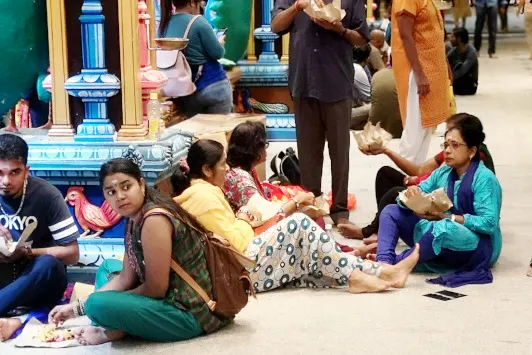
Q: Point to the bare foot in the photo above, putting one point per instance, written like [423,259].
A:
[350,231]
[371,240]
[398,273]
[7,327]
[363,283]
[364,250]
[96,335]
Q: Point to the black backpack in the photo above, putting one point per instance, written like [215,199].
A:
[285,167]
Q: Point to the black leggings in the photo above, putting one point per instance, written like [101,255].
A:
[388,183]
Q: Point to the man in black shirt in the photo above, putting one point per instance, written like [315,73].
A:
[34,275]
[321,81]
[464,63]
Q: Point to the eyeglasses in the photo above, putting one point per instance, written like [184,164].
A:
[453,144]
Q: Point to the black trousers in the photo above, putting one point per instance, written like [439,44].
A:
[464,86]
[316,122]
[491,14]
[504,16]
[388,183]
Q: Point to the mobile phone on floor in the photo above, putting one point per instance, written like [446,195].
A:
[451,294]
[437,297]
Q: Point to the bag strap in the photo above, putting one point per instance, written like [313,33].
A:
[180,271]
[192,283]
[185,36]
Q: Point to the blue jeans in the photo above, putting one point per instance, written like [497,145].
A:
[216,98]
[42,282]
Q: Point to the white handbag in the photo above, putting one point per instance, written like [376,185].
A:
[175,66]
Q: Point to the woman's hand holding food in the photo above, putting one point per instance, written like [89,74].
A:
[305,199]
[60,314]
[412,191]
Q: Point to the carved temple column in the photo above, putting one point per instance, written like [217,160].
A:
[286,48]
[369,9]
[265,34]
[150,80]
[251,57]
[57,38]
[133,127]
[94,86]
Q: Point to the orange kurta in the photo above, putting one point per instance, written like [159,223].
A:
[428,35]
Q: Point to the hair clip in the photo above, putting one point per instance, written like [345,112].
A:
[184,165]
[132,154]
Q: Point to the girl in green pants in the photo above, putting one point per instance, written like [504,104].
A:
[146,299]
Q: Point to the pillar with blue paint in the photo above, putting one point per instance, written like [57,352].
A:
[94,85]
[265,34]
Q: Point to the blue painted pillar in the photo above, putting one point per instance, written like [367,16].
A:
[94,85]
[265,34]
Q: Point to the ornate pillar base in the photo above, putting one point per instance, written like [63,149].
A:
[132,133]
[60,132]
[94,88]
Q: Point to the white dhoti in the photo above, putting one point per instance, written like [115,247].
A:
[415,141]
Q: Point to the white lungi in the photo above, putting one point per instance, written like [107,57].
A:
[415,141]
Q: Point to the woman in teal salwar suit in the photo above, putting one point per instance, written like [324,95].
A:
[465,241]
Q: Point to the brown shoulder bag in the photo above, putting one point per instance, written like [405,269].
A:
[231,284]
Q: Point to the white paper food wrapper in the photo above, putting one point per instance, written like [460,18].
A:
[332,12]
[262,209]
[26,338]
[8,248]
[437,201]
[372,137]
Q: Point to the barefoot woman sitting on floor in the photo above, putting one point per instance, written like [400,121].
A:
[247,150]
[146,299]
[466,240]
[294,248]
[390,181]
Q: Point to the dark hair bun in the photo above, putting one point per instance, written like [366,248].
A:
[471,129]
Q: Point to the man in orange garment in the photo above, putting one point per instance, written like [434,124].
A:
[421,74]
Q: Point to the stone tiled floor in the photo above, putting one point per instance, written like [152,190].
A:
[492,319]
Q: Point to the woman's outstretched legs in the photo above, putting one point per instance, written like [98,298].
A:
[296,247]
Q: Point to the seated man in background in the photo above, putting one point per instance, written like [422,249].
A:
[378,41]
[384,103]
[362,92]
[379,51]
[35,274]
[464,63]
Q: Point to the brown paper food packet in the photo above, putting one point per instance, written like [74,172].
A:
[332,12]
[372,137]
[320,208]
[435,202]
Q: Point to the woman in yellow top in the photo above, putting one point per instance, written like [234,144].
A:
[295,250]
[421,74]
